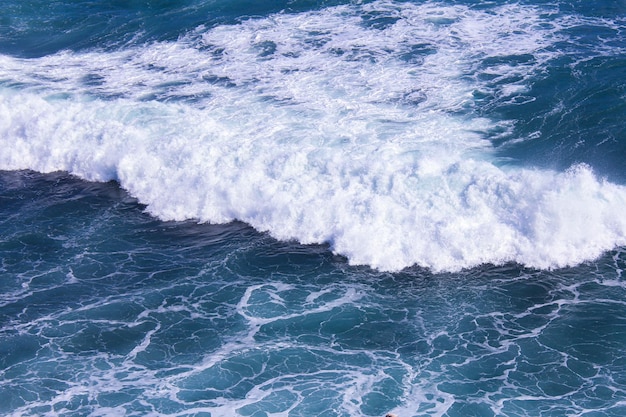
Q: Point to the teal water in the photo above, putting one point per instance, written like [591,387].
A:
[310,208]
[107,311]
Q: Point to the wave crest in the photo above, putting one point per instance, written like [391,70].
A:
[322,127]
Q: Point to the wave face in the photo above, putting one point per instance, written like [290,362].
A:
[387,130]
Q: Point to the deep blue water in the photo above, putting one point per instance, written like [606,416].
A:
[312,208]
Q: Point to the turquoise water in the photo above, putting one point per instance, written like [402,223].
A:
[234,208]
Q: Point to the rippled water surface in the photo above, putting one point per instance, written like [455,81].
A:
[312,208]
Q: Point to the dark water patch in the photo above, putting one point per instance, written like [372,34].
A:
[576,116]
[35,28]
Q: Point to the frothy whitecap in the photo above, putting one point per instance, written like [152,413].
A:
[353,125]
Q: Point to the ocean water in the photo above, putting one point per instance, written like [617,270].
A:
[312,208]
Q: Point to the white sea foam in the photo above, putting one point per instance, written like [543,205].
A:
[322,127]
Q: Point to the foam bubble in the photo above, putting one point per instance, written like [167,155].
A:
[322,127]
